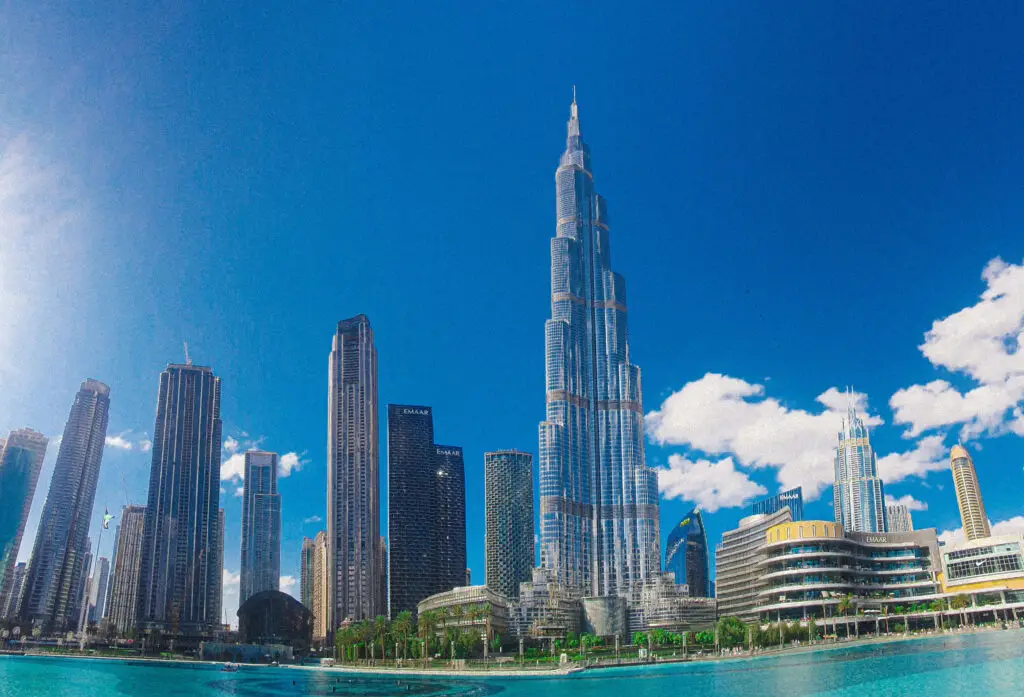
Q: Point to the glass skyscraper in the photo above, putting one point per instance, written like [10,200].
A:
[180,575]
[21,459]
[794,498]
[426,510]
[508,506]
[355,582]
[57,571]
[124,586]
[261,526]
[598,499]
[686,554]
[857,495]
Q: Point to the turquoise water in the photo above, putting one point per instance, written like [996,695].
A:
[983,664]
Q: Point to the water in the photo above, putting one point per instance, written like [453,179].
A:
[985,664]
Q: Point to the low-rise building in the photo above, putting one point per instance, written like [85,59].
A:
[476,609]
[546,609]
[988,569]
[737,558]
[809,567]
[660,603]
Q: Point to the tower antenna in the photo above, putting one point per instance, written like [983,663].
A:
[188,361]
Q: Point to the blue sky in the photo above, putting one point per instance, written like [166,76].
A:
[797,194]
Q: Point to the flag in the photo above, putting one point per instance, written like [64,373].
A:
[106,519]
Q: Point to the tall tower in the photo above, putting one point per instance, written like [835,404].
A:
[98,590]
[52,594]
[20,462]
[261,526]
[450,482]
[857,494]
[968,494]
[898,518]
[599,500]
[180,573]
[508,512]
[124,587]
[686,554]
[355,587]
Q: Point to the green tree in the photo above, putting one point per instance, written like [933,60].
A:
[639,639]
[381,630]
[496,642]
[731,632]
[403,629]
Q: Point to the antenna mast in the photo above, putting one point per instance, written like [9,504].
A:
[188,361]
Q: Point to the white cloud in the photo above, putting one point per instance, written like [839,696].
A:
[312,519]
[145,445]
[233,468]
[229,595]
[711,485]
[1013,526]
[223,491]
[928,455]
[719,414]
[289,585]
[984,342]
[239,491]
[231,445]
[909,501]
[290,462]
[119,441]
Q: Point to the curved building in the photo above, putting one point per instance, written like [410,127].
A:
[738,577]
[968,495]
[599,528]
[686,554]
[809,566]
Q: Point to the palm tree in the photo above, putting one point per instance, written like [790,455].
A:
[402,627]
[381,629]
[845,603]
[364,630]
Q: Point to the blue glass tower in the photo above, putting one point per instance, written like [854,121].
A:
[857,495]
[20,462]
[598,499]
[686,554]
[794,498]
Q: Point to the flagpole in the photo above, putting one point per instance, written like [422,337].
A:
[85,591]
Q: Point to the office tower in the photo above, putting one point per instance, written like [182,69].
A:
[355,588]
[968,495]
[319,591]
[898,518]
[9,610]
[98,590]
[598,499]
[218,592]
[451,517]
[261,526]
[686,555]
[857,495]
[306,562]
[21,458]
[124,587]
[794,498]
[737,564]
[426,510]
[52,594]
[113,565]
[508,513]
[180,569]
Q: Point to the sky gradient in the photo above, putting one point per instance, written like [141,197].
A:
[797,195]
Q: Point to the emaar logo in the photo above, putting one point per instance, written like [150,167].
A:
[788,497]
[876,539]
[417,412]
[447,452]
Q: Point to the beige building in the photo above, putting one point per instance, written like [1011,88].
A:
[968,495]
[314,592]
[736,563]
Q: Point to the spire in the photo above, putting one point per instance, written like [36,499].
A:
[574,116]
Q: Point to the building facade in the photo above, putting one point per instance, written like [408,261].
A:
[98,590]
[810,566]
[313,582]
[658,602]
[898,518]
[21,459]
[991,564]
[546,609]
[968,494]
[598,499]
[9,609]
[857,495]
[356,587]
[476,609]
[426,510]
[52,595]
[508,513]
[124,586]
[180,573]
[793,498]
[738,578]
[686,555]
[261,526]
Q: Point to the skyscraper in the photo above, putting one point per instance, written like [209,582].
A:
[10,607]
[21,458]
[98,589]
[599,500]
[898,518]
[968,494]
[508,512]
[794,498]
[355,586]
[313,587]
[124,589]
[857,495]
[52,594]
[686,554]
[261,526]
[426,510]
[450,516]
[180,570]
